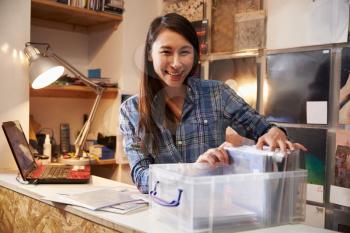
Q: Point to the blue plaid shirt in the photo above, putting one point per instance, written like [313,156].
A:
[209,108]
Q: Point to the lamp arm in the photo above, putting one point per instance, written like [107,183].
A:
[97,88]
[79,142]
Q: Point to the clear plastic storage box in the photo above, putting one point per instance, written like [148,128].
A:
[199,198]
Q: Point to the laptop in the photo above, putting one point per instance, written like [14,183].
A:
[30,170]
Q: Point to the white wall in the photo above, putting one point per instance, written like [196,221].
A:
[14,104]
[105,52]
[137,18]
[71,46]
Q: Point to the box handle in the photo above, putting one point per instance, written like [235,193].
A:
[163,202]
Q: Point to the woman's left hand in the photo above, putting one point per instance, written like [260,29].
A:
[276,138]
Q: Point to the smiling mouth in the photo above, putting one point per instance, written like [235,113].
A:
[174,74]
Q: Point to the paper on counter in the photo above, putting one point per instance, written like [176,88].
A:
[93,200]
[126,207]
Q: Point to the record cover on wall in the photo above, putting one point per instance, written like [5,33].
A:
[314,160]
[342,159]
[301,23]
[240,74]
[344,92]
[297,87]
[222,26]
[340,189]
[193,10]
[249,30]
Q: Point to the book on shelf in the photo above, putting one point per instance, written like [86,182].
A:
[108,6]
[67,2]
[78,3]
[102,81]
[113,10]
[113,6]
[95,5]
[114,3]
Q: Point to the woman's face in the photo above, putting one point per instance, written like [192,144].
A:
[172,56]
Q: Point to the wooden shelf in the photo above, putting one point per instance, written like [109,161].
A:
[51,14]
[106,162]
[233,55]
[72,92]
[111,162]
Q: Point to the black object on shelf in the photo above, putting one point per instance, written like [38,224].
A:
[62,1]
[64,138]
[108,141]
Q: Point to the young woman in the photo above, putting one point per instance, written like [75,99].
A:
[177,117]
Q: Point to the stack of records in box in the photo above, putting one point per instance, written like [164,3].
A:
[246,159]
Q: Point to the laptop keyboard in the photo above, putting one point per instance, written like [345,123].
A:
[55,172]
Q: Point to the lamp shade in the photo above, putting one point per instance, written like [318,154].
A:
[43,71]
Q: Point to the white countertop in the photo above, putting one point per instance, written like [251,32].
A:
[140,221]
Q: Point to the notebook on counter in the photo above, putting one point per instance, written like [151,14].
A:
[33,173]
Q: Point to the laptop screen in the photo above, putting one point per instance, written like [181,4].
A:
[19,147]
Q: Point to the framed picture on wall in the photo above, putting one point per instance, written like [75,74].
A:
[297,87]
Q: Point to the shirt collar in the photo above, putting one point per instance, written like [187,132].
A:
[191,88]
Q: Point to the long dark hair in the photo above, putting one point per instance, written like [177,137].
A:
[150,83]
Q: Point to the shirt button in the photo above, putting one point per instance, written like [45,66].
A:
[205,121]
[179,142]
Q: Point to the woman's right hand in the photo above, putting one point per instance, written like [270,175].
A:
[215,156]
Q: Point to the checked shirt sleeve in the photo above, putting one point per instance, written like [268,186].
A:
[139,162]
[243,118]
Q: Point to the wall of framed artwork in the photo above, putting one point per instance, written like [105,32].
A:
[296,57]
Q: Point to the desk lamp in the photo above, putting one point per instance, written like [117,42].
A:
[46,67]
